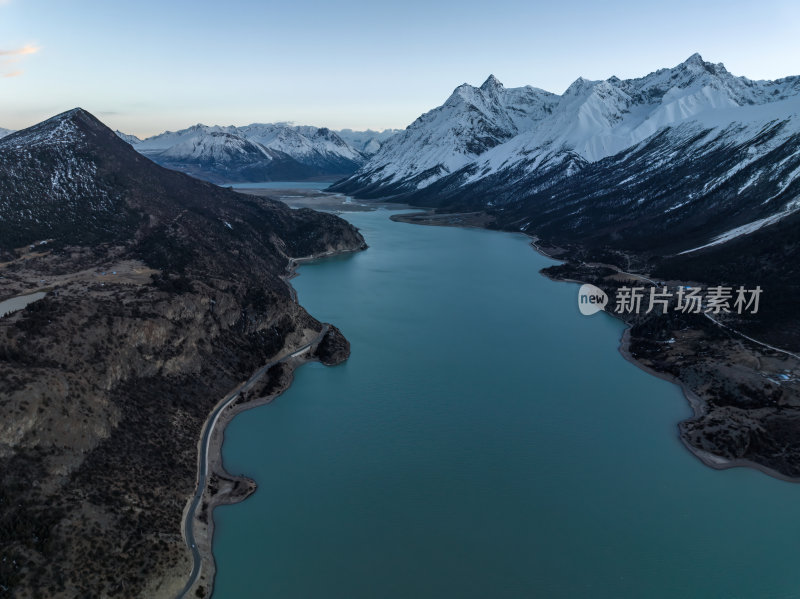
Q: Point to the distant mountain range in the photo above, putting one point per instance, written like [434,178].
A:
[261,152]
[4,132]
[367,142]
[678,159]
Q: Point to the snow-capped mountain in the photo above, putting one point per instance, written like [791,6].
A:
[446,139]
[131,139]
[52,185]
[71,179]
[691,151]
[595,119]
[4,132]
[257,152]
[367,142]
[317,146]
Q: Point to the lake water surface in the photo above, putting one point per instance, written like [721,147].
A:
[19,302]
[319,185]
[484,440]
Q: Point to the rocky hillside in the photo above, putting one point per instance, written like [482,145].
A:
[163,292]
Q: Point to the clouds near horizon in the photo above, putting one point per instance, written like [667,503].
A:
[353,63]
[13,56]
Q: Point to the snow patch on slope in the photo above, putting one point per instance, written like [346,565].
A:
[790,208]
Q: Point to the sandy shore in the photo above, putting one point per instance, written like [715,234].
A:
[473,220]
[310,198]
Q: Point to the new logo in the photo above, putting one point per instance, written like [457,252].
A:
[591,299]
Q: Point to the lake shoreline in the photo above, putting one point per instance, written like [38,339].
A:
[460,423]
[222,487]
[698,405]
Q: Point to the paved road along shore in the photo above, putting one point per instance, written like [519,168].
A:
[202,472]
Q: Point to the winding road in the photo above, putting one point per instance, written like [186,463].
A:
[202,471]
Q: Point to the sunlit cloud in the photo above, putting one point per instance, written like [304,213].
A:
[26,49]
[8,57]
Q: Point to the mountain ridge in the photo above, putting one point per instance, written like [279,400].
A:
[695,113]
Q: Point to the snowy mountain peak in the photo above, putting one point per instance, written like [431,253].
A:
[492,84]
[695,59]
[580,86]
[699,67]
[470,122]
[74,112]
[463,93]
[367,142]
[481,131]
[70,127]
[126,137]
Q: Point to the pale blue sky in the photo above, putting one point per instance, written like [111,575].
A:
[148,65]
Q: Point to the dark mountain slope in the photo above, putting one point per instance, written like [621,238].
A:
[769,258]
[675,191]
[164,292]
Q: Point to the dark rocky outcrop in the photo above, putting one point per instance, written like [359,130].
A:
[334,348]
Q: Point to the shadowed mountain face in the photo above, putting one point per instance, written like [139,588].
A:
[519,141]
[164,292]
[677,191]
[666,162]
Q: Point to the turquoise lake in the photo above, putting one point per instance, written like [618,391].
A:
[484,440]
